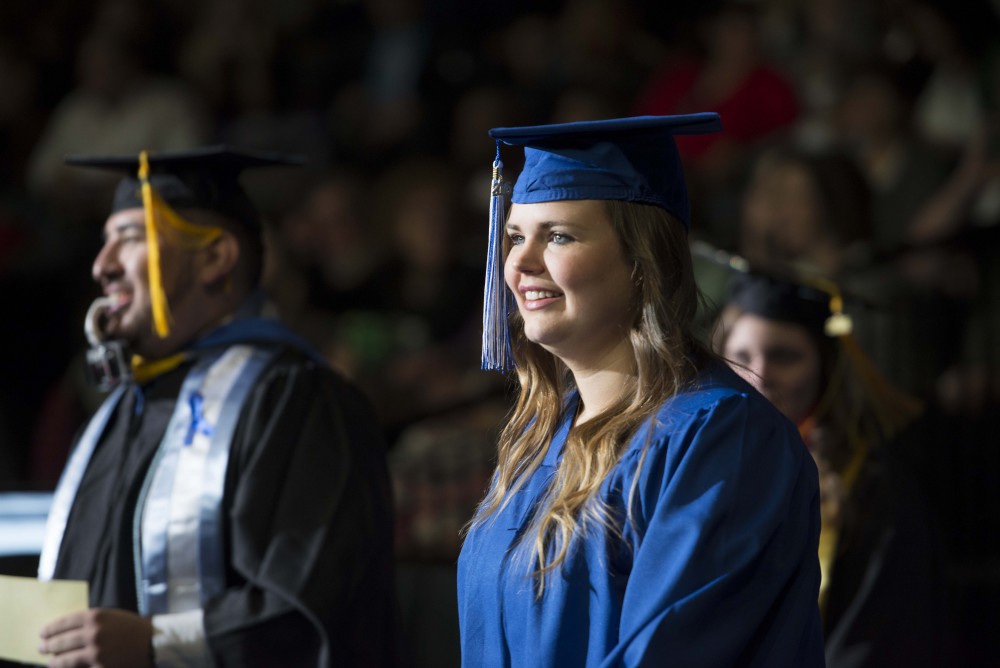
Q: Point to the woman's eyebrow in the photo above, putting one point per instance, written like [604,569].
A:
[545,224]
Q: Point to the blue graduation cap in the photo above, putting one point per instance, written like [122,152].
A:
[630,159]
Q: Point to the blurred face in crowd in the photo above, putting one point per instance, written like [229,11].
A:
[573,286]
[780,359]
[781,216]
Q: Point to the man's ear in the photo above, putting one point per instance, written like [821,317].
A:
[218,260]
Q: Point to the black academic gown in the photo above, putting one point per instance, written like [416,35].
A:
[886,602]
[307,521]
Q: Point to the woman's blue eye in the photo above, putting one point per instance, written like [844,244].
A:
[560,238]
[516,239]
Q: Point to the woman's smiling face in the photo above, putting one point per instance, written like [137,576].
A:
[573,284]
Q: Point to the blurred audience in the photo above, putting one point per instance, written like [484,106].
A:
[902,170]
[117,106]
[728,71]
[808,210]
[429,293]
[380,110]
[331,242]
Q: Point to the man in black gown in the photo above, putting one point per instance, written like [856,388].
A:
[228,504]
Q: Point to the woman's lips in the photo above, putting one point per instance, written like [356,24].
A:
[537,299]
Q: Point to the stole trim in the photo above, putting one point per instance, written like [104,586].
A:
[69,483]
[178,527]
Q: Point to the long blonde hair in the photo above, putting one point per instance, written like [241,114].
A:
[666,357]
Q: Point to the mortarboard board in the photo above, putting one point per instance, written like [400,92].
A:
[631,159]
[780,292]
[775,298]
[202,178]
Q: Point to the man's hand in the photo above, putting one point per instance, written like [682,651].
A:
[99,637]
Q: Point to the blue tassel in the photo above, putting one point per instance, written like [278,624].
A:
[497,350]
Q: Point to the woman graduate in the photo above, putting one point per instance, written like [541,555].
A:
[649,507]
[883,584]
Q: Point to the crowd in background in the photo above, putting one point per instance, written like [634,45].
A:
[861,144]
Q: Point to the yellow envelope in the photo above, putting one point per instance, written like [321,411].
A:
[26,605]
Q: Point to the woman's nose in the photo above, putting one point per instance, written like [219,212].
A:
[527,258]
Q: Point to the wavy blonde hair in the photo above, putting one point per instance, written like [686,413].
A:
[666,356]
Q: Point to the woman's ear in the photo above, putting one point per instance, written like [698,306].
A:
[218,260]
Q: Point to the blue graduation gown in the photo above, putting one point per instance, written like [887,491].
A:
[719,564]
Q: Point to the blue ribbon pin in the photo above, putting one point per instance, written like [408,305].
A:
[199,425]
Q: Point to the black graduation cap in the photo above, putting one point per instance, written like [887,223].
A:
[161,183]
[201,178]
[812,302]
[777,299]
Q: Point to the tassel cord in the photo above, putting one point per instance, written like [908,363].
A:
[496,352]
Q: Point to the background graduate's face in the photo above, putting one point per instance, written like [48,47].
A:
[780,359]
[122,272]
[568,272]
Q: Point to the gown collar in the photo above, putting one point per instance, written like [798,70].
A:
[558,442]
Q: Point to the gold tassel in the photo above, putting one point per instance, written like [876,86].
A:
[179,231]
[144,370]
[161,310]
[893,409]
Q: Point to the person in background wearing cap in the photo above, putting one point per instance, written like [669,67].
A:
[228,504]
[649,507]
[883,593]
